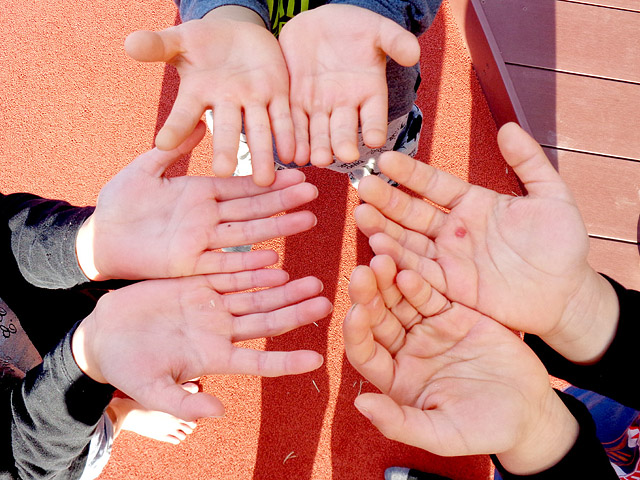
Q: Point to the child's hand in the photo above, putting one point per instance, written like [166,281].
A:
[453,381]
[336,55]
[230,62]
[519,260]
[149,226]
[147,339]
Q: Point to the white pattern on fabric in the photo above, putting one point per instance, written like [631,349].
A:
[17,353]
[403,135]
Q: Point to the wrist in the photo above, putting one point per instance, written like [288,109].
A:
[590,322]
[85,252]
[81,350]
[236,13]
[547,439]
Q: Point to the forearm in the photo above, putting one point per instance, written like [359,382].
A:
[42,236]
[586,458]
[606,376]
[54,413]
[197,9]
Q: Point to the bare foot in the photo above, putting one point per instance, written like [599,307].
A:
[127,414]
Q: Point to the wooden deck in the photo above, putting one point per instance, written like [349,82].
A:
[569,72]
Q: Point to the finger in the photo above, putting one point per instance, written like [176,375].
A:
[282,320]
[241,187]
[408,211]
[171,398]
[367,356]
[259,230]
[229,262]
[365,292]
[227,125]
[343,125]
[406,259]
[274,298]
[370,221]
[301,132]
[235,282]
[147,46]
[373,119]
[155,162]
[384,269]
[282,128]
[420,295]
[362,285]
[321,154]
[404,424]
[531,164]
[267,204]
[403,312]
[272,364]
[182,120]
[438,186]
[258,131]
[398,43]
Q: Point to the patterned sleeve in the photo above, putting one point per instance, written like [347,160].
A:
[586,459]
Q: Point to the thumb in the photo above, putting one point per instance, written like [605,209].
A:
[155,162]
[385,414]
[147,46]
[399,44]
[531,164]
[179,402]
[404,424]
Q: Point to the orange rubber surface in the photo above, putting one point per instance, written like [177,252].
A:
[75,110]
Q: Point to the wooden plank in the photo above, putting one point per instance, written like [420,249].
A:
[620,261]
[580,113]
[607,191]
[487,62]
[631,5]
[568,37]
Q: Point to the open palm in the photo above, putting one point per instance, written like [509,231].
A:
[236,69]
[447,373]
[336,56]
[147,339]
[519,260]
[149,226]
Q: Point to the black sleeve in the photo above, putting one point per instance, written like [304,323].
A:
[38,267]
[612,375]
[54,413]
[586,459]
[43,238]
